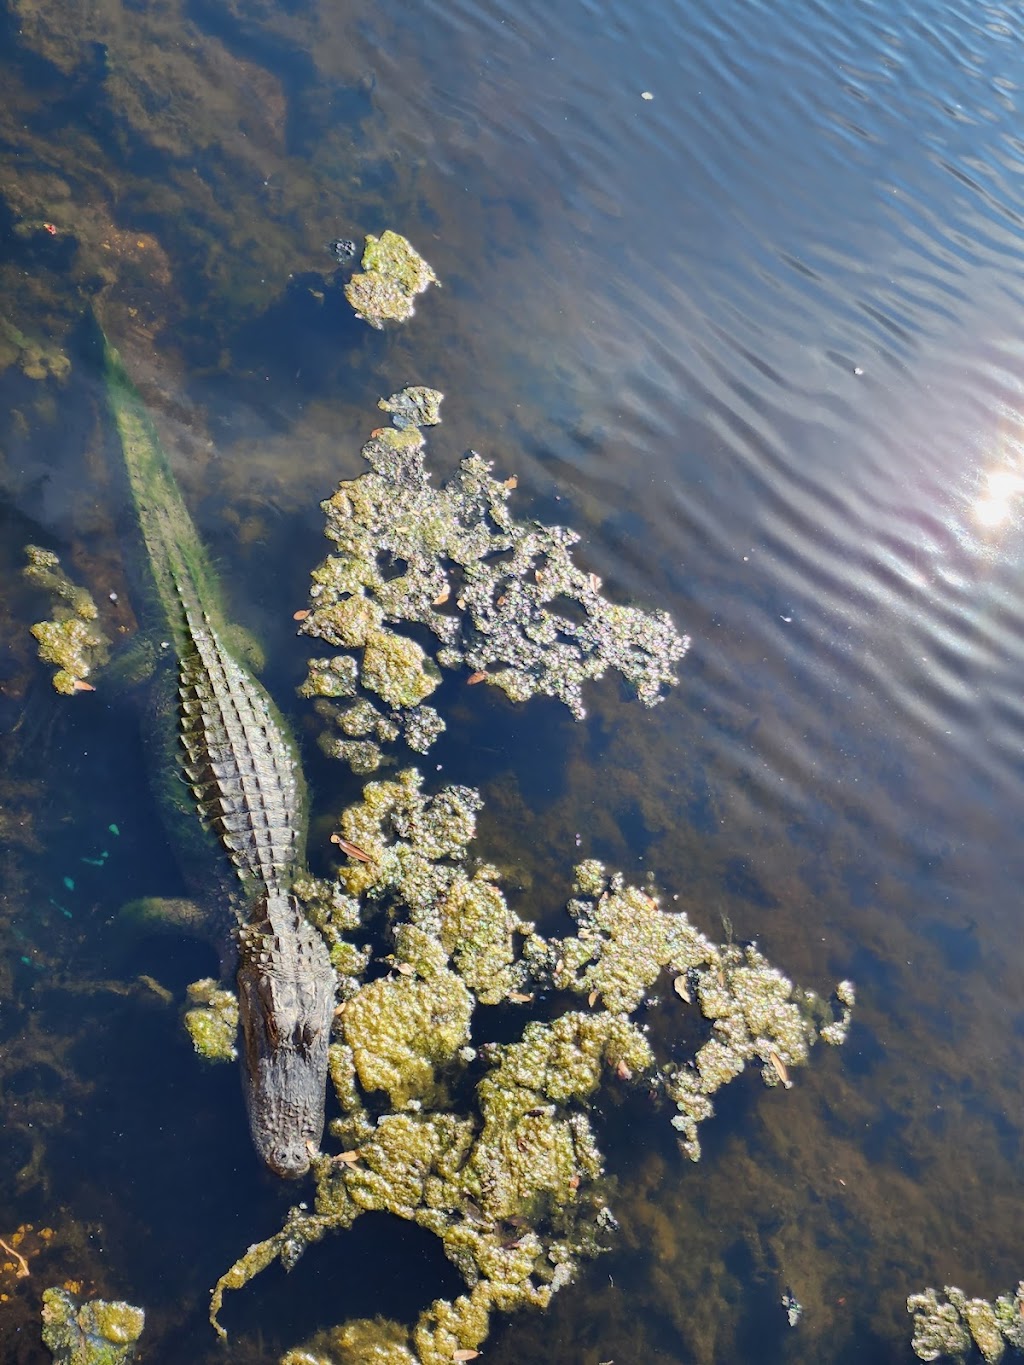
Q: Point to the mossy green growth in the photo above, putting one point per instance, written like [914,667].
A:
[73,647]
[349,622]
[952,1328]
[363,756]
[334,677]
[758,1015]
[446,1328]
[562,1061]
[511,1183]
[623,943]
[519,614]
[364,1341]
[476,929]
[415,406]
[73,641]
[401,1029]
[96,1332]
[402,832]
[212,1020]
[407,1165]
[416,846]
[393,274]
[397,669]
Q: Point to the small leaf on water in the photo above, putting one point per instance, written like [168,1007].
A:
[682,989]
[623,1072]
[300,615]
[464,1354]
[79,686]
[443,596]
[780,1069]
[475,678]
[520,997]
[592,998]
[353,850]
[512,482]
[405,969]
[349,1159]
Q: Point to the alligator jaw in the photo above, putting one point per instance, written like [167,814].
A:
[286,1004]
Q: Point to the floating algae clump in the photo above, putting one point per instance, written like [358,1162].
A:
[509,1177]
[758,1015]
[212,1020]
[952,1327]
[503,598]
[397,669]
[393,274]
[72,640]
[623,944]
[92,1333]
[400,1031]
[361,1342]
[417,846]
[414,406]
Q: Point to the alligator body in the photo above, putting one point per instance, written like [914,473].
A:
[241,767]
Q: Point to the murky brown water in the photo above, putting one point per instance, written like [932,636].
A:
[757,338]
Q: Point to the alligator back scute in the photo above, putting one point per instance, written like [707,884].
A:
[240,767]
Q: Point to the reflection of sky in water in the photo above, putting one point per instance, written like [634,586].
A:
[757,339]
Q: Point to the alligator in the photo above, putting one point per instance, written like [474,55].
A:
[240,766]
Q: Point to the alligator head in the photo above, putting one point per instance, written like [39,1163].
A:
[286,1004]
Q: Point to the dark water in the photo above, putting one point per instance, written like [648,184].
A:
[759,339]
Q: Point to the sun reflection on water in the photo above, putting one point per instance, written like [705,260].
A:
[996,499]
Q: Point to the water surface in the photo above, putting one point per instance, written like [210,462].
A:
[758,339]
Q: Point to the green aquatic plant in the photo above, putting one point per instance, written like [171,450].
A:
[503,598]
[72,641]
[954,1325]
[512,1183]
[212,1020]
[393,274]
[96,1332]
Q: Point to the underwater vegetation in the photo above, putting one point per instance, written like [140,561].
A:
[955,1325]
[72,641]
[92,1333]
